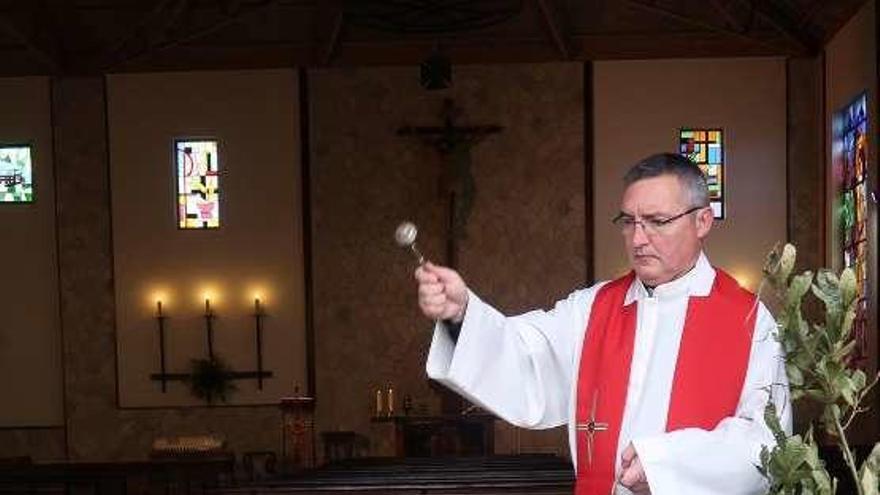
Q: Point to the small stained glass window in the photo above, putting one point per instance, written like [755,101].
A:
[16,175]
[198,184]
[705,147]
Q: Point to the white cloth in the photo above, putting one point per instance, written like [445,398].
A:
[524,369]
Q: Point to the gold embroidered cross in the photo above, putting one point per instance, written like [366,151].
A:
[591,427]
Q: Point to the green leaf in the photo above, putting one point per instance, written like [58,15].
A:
[824,484]
[847,287]
[859,379]
[772,421]
[872,462]
[786,261]
[795,377]
[846,321]
[826,289]
[772,265]
[799,286]
[847,391]
[869,482]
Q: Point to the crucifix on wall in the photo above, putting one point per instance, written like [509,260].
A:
[454,143]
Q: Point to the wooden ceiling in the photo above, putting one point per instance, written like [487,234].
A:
[98,36]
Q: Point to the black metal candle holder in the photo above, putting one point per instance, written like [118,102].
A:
[258,332]
[164,377]
[209,327]
[160,320]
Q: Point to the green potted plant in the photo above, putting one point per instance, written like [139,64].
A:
[818,364]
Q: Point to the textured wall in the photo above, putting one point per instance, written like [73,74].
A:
[640,106]
[257,249]
[524,244]
[40,444]
[96,428]
[29,329]
[805,165]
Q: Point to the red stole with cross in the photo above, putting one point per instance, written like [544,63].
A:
[712,361]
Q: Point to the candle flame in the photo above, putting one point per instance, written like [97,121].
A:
[157,296]
[258,293]
[209,293]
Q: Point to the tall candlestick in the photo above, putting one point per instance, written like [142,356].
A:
[258,331]
[160,319]
[390,401]
[209,327]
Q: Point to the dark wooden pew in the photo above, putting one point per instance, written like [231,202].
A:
[510,475]
[159,476]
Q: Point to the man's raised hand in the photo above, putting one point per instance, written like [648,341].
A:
[443,294]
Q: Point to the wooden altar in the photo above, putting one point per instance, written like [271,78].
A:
[434,436]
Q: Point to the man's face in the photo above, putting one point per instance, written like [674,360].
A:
[660,253]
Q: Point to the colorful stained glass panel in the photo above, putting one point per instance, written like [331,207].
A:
[16,175]
[198,187]
[851,154]
[705,147]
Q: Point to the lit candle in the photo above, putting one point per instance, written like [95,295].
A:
[378,402]
[207,306]
[390,401]
[159,307]
[257,305]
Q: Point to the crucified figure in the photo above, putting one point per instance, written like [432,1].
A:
[454,144]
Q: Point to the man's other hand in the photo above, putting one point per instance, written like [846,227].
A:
[632,475]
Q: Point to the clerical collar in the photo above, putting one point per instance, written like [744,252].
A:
[696,282]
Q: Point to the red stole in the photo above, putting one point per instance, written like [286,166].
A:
[709,373]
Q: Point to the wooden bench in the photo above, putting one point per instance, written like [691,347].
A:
[160,476]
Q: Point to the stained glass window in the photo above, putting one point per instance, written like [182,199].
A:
[198,188]
[850,152]
[705,147]
[16,175]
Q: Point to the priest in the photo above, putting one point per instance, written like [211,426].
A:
[662,375]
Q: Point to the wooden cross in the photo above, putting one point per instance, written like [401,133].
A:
[591,427]
[454,144]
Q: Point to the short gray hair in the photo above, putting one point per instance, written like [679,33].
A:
[687,172]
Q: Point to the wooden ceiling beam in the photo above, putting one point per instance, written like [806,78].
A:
[141,33]
[550,15]
[335,33]
[152,49]
[778,16]
[48,56]
[472,50]
[703,24]
[732,21]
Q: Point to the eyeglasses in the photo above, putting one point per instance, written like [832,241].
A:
[651,225]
